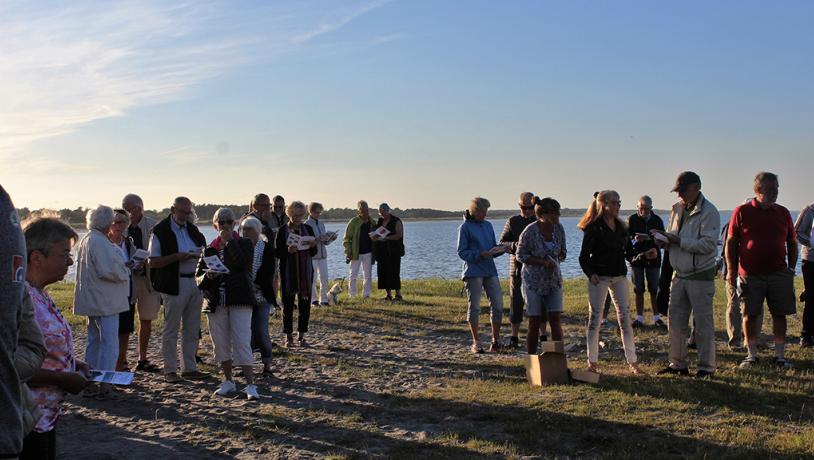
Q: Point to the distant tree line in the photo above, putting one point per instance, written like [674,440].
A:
[206,211]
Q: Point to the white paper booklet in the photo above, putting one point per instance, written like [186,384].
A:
[500,249]
[301,242]
[214,265]
[115,378]
[381,232]
[139,257]
[661,238]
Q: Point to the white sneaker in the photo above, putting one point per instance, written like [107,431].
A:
[226,387]
[251,392]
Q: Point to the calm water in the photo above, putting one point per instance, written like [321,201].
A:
[431,249]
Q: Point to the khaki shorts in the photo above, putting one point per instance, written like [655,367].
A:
[147,300]
[776,288]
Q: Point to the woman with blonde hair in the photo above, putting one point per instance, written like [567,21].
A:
[605,247]
[476,241]
[296,271]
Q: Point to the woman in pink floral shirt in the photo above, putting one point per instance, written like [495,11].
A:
[49,244]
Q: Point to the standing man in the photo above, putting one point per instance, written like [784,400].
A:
[277,219]
[146,299]
[803,228]
[260,208]
[175,247]
[761,233]
[639,226]
[359,249]
[693,244]
[511,234]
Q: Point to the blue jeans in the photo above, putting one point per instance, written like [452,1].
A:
[102,350]
[474,287]
[260,331]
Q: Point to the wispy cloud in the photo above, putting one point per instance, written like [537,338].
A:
[66,65]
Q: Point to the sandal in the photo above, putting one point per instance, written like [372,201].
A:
[495,347]
[476,349]
[592,368]
[635,369]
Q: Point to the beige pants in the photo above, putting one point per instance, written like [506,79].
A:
[620,295]
[690,296]
[182,308]
[231,332]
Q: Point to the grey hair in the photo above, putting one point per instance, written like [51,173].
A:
[222,213]
[479,203]
[295,208]
[43,232]
[646,200]
[526,196]
[99,218]
[255,224]
[132,199]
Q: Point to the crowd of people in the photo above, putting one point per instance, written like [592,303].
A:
[676,264]
[274,257]
[128,265]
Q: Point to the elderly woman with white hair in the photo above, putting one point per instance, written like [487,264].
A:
[101,291]
[476,241]
[262,274]
[320,260]
[296,271]
[228,300]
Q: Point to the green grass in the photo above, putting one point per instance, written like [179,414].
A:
[483,407]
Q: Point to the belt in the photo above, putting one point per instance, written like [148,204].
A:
[186,275]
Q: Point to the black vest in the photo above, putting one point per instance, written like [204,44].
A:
[165,279]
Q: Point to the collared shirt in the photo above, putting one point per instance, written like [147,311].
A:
[185,244]
[60,358]
[763,235]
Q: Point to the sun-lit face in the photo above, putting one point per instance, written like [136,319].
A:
[119,225]
[644,208]
[54,266]
[612,206]
[224,223]
[767,192]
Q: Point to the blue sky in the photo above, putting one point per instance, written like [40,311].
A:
[417,103]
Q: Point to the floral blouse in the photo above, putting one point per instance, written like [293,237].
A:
[60,357]
[538,278]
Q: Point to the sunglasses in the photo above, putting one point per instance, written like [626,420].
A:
[226,222]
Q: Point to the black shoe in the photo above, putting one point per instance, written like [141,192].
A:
[692,346]
[781,363]
[803,296]
[637,324]
[514,342]
[806,341]
[673,371]
[147,366]
[701,374]
[543,338]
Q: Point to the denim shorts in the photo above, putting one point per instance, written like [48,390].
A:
[537,304]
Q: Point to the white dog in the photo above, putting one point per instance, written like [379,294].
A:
[333,293]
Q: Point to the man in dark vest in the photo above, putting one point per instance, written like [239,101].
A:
[175,247]
[511,234]
[260,208]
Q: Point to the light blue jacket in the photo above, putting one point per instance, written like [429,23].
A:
[475,237]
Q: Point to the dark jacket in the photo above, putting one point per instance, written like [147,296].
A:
[265,274]
[511,234]
[637,224]
[389,249]
[604,251]
[293,280]
[165,279]
[237,256]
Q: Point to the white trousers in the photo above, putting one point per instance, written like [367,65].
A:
[102,347]
[620,295]
[366,262]
[321,279]
[231,332]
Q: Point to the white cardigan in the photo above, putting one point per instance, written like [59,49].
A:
[102,279]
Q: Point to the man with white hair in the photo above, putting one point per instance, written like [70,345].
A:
[175,246]
[146,299]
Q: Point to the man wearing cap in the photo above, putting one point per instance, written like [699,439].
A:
[511,234]
[146,299]
[692,239]
[761,233]
[175,246]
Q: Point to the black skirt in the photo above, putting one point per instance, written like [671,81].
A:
[388,269]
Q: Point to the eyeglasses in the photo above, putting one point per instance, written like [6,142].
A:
[226,222]
[526,208]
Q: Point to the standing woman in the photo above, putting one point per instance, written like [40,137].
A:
[228,300]
[320,259]
[262,275]
[541,248]
[476,237]
[127,319]
[389,251]
[605,247]
[296,273]
[101,291]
